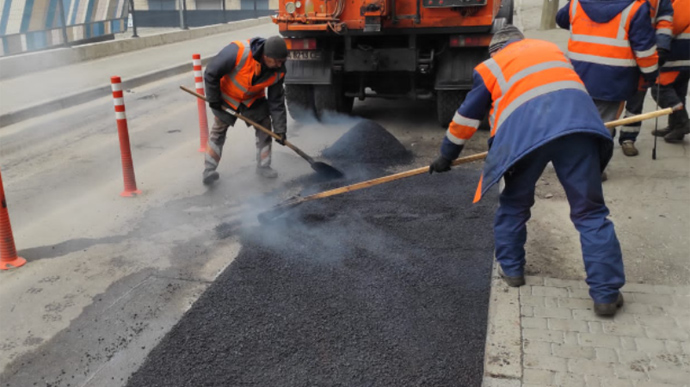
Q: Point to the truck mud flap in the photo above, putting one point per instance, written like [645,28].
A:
[454,68]
[308,72]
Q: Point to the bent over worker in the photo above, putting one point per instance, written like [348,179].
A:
[611,43]
[540,112]
[237,78]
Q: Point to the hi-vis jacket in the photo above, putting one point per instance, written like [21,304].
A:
[661,12]
[611,42]
[679,60]
[534,96]
[236,77]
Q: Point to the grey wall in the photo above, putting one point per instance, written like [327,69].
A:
[197,18]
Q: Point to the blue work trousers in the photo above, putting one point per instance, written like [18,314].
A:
[576,159]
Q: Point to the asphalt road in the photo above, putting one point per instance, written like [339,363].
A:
[388,286]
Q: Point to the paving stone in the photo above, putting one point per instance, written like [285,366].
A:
[535,376]
[591,367]
[609,382]
[568,325]
[549,363]
[587,315]
[681,301]
[599,340]
[562,313]
[593,381]
[526,290]
[634,371]
[534,322]
[628,343]
[673,347]
[667,333]
[672,360]
[595,327]
[606,355]
[529,300]
[542,335]
[649,383]
[551,302]
[575,303]
[637,288]
[500,382]
[653,299]
[650,345]
[635,308]
[561,283]
[675,311]
[686,348]
[620,329]
[569,380]
[657,321]
[682,290]
[534,280]
[663,289]
[571,338]
[542,348]
[670,376]
[623,317]
[549,291]
[573,352]
[579,293]
[684,323]
[626,357]
[526,311]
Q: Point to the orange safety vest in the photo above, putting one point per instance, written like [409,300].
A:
[236,87]
[518,74]
[607,43]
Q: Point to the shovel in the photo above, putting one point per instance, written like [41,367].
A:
[322,169]
[279,209]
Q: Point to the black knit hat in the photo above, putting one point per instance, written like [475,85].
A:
[275,48]
[502,36]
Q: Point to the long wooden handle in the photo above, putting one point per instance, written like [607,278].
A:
[639,117]
[254,124]
[386,179]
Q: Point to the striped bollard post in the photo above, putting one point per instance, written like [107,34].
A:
[125,150]
[8,252]
[201,104]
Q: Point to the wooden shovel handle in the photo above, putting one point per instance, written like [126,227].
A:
[254,124]
[638,118]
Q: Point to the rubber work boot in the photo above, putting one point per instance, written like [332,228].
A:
[210,176]
[610,309]
[513,282]
[604,176]
[679,129]
[266,172]
[664,131]
[629,149]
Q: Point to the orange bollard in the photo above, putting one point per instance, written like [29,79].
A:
[201,104]
[125,149]
[8,253]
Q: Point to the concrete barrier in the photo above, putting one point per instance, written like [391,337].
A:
[16,65]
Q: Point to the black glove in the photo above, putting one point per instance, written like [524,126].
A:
[216,105]
[441,164]
[283,137]
[663,56]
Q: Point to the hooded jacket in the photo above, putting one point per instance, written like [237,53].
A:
[612,82]
[223,64]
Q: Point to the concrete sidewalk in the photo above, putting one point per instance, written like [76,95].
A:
[43,92]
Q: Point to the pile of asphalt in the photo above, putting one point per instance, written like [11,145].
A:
[368,142]
[387,286]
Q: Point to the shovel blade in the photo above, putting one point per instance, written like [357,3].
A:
[326,170]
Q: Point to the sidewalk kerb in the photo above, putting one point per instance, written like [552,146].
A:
[87,95]
[503,350]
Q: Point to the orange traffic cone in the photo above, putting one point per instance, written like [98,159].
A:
[8,253]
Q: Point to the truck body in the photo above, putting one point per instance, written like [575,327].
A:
[416,49]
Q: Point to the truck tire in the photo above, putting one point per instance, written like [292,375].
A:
[506,11]
[300,101]
[330,98]
[447,103]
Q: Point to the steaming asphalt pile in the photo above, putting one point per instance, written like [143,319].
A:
[387,286]
[367,142]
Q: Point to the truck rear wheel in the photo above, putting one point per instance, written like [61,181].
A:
[447,103]
[300,101]
[331,98]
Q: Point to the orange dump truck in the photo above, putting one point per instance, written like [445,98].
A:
[415,49]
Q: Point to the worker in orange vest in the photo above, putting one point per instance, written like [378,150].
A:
[237,78]
[540,113]
[675,74]
[662,19]
[611,44]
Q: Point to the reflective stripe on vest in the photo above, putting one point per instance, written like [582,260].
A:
[461,129]
[613,36]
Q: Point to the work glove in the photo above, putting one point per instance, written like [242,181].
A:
[441,164]
[283,137]
[663,56]
[216,105]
